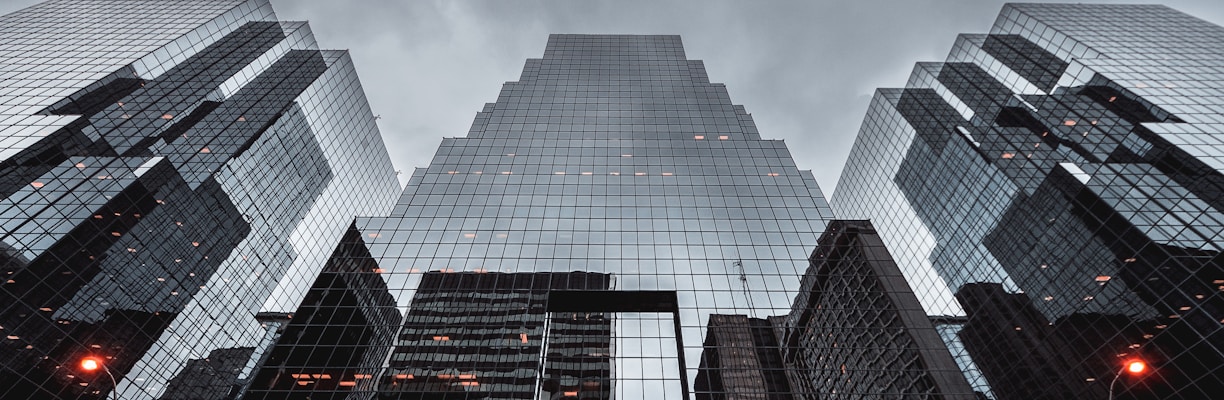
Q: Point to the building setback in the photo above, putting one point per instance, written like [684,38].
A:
[612,158]
[1057,183]
[167,171]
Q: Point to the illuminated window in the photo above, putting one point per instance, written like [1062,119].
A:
[441,339]
[772,174]
[667,174]
[559,173]
[588,173]
[36,185]
[348,383]
[1069,122]
[205,150]
[241,118]
[626,155]
[699,137]
[374,235]
[1102,278]
[639,173]
[1007,156]
[724,137]
[167,116]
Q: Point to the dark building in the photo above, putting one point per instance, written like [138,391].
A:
[482,334]
[741,360]
[211,378]
[857,329]
[1057,183]
[338,339]
[167,171]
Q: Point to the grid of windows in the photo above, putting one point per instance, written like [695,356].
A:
[168,170]
[1065,219]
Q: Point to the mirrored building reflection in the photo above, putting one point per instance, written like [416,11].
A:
[1053,192]
[167,172]
[614,227]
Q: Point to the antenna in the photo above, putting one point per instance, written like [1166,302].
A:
[743,277]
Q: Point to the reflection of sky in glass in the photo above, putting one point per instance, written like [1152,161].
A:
[614,154]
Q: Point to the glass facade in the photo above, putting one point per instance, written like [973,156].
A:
[612,227]
[1052,191]
[169,171]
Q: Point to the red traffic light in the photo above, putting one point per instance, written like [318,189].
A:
[1136,367]
[91,363]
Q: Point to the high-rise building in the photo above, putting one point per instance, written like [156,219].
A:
[168,170]
[1054,187]
[857,329]
[577,241]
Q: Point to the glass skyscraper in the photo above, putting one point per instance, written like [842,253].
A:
[1052,191]
[612,227]
[169,171]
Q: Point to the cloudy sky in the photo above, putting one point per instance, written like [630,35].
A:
[805,69]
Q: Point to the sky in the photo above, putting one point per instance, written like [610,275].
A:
[806,70]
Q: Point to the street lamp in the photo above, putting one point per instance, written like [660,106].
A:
[1133,366]
[91,364]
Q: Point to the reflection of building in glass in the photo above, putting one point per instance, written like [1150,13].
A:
[215,377]
[614,155]
[741,360]
[163,182]
[339,338]
[484,334]
[1057,183]
[857,329]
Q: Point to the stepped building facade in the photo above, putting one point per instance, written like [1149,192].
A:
[168,171]
[1052,191]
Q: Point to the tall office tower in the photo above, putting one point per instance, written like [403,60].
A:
[611,156]
[167,171]
[1058,182]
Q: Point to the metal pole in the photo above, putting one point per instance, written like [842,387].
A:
[114,384]
[1115,380]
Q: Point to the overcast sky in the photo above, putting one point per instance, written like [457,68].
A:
[804,69]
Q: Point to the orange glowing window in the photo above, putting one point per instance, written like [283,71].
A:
[723,137]
[241,118]
[167,116]
[446,376]
[300,376]
[452,172]
[667,174]
[1008,156]
[80,165]
[321,376]
[571,394]
[772,174]
[469,383]
[441,339]
[404,376]
[348,383]
[1112,98]
[523,337]
[37,185]
[699,137]
[374,235]
[588,173]
[478,172]
[467,376]
[506,172]
[639,173]
[13,337]
[205,150]
[559,173]
[1069,122]
[469,235]
[1103,278]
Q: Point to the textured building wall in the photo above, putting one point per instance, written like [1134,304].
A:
[163,165]
[1061,176]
